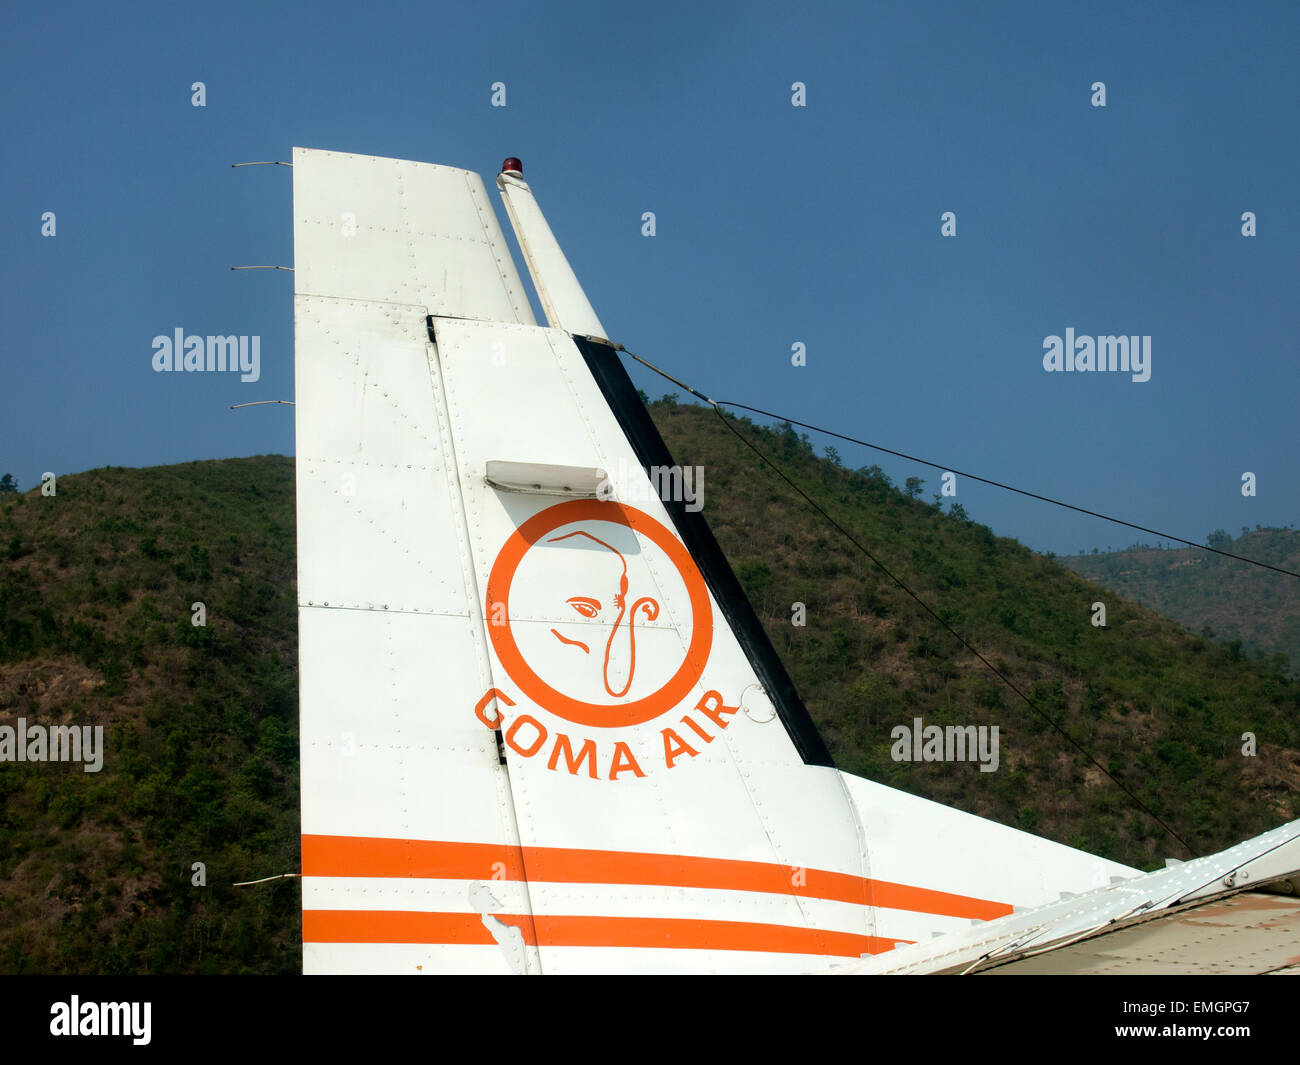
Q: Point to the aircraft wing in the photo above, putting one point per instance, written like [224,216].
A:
[1235,912]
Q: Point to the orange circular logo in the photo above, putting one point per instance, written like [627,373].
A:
[607,555]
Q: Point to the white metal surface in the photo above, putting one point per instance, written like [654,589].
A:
[926,845]
[394,231]
[529,740]
[562,298]
[1105,910]
[763,805]
[390,637]
[581,482]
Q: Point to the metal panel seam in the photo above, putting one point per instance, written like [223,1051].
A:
[477,621]
[497,252]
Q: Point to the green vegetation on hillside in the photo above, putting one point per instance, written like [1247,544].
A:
[96,593]
[201,723]
[1253,610]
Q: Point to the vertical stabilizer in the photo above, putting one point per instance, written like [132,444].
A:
[542,731]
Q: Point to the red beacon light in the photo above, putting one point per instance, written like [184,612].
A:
[513,167]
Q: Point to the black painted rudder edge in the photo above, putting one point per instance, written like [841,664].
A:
[611,376]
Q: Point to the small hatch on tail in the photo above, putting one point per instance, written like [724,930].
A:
[541,478]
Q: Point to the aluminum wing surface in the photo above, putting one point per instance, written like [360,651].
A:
[542,730]
[1235,912]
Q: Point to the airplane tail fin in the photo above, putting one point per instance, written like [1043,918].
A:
[542,729]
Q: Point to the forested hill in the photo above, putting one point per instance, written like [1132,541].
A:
[97,592]
[1254,610]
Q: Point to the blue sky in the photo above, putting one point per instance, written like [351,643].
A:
[776,224]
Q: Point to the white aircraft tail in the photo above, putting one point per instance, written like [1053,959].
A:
[542,729]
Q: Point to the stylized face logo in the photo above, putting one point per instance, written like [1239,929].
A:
[620,645]
[606,619]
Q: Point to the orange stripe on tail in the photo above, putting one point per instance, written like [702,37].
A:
[403,926]
[369,857]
